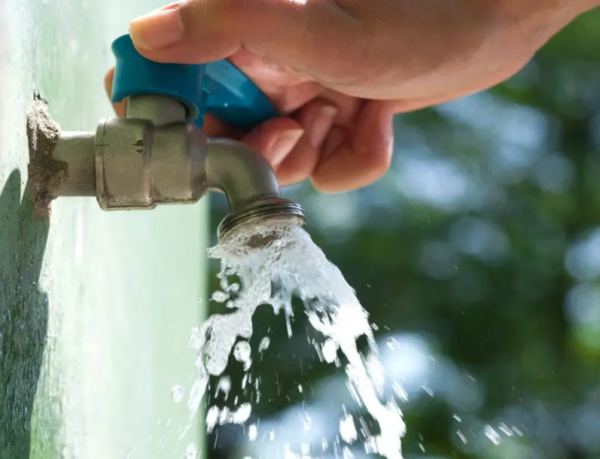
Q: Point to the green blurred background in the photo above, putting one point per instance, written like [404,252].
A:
[477,257]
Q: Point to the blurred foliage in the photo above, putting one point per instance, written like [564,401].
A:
[483,241]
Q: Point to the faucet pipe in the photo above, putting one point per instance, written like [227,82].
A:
[153,156]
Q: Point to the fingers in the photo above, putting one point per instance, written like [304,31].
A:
[275,139]
[295,33]
[343,147]
[317,119]
[354,158]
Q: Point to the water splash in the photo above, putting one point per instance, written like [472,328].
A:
[289,264]
[220,416]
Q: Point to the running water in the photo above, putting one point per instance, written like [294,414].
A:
[286,264]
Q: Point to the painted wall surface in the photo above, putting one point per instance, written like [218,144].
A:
[95,307]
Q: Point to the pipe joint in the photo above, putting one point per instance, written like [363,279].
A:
[139,165]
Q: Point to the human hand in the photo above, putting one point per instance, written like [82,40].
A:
[340,69]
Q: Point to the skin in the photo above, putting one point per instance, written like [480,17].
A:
[340,69]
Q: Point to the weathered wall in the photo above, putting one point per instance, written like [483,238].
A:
[95,308]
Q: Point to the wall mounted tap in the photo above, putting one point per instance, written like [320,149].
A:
[158,154]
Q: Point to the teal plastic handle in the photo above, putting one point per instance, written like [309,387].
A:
[218,88]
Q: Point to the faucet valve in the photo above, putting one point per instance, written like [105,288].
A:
[158,153]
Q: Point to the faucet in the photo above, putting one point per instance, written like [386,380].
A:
[158,153]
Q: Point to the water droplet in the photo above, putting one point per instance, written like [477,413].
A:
[461,436]
[220,297]
[400,391]
[428,389]
[264,344]
[505,430]
[252,432]
[392,343]
[224,386]
[242,351]
[212,418]
[348,429]
[491,433]
[177,393]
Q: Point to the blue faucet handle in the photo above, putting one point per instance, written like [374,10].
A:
[135,75]
[218,88]
[233,98]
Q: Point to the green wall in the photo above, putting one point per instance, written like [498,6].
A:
[95,307]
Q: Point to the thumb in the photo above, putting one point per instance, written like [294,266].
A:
[299,33]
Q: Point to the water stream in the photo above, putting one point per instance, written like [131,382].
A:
[291,265]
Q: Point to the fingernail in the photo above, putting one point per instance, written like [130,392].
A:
[336,137]
[157,29]
[321,125]
[283,145]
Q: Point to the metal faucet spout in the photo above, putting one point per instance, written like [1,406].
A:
[249,183]
[239,172]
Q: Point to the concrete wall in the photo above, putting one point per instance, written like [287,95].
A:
[95,308]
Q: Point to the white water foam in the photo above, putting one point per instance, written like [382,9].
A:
[273,264]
